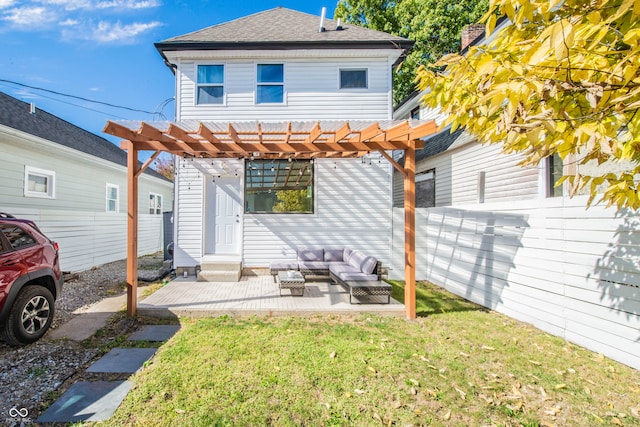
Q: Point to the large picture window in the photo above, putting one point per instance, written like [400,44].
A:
[210,84]
[278,186]
[270,88]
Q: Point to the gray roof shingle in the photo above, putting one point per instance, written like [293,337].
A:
[17,115]
[281,28]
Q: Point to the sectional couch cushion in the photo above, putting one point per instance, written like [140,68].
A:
[334,255]
[369,265]
[348,272]
[310,254]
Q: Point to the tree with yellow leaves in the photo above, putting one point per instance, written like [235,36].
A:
[562,76]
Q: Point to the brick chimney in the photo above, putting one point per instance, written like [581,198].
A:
[470,33]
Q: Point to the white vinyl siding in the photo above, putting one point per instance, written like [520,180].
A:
[77,217]
[352,208]
[311,92]
[569,271]
[457,176]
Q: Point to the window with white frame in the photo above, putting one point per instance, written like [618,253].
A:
[39,182]
[113,198]
[210,84]
[270,84]
[155,203]
[353,78]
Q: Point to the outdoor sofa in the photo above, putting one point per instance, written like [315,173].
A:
[355,271]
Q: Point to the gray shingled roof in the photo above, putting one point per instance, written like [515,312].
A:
[16,114]
[441,142]
[281,28]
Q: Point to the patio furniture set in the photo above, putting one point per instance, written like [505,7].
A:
[356,272]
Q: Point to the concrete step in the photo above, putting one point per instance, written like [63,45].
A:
[221,265]
[219,275]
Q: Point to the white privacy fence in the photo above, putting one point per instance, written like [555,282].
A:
[88,239]
[570,271]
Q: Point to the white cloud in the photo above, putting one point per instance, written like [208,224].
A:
[6,3]
[29,17]
[69,22]
[128,4]
[69,5]
[107,32]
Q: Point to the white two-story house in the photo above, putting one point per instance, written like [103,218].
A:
[279,66]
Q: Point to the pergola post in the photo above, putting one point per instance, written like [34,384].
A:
[410,231]
[132,229]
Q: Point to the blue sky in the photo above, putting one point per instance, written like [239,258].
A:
[103,50]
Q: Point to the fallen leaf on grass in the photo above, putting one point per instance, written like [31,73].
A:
[377,417]
[414,382]
[533,362]
[431,393]
[635,412]
[424,359]
[616,421]
[462,394]
[560,386]
[486,347]
[447,416]
[359,391]
[180,411]
[553,411]
[464,354]
[398,405]
[413,391]
[372,369]
[516,406]
[333,354]
[587,390]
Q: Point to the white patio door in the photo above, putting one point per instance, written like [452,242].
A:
[223,211]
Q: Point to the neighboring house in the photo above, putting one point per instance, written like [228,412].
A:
[74,185]
[277,66]
[502,236]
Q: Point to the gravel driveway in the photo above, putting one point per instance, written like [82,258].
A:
[31,376]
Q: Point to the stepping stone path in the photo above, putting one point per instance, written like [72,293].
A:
[98,400]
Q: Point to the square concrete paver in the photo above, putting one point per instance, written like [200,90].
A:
[87,401]
[122,360]
[154,333]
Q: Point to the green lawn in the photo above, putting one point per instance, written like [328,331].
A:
[456,365]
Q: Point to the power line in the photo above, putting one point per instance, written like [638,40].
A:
[81,98]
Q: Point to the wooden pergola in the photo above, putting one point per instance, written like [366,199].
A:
[272,140]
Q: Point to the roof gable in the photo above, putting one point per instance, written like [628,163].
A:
[282,28]
[17,115]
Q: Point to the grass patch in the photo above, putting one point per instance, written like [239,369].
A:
[432,299]
[465,366]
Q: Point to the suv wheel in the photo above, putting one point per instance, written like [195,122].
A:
[30,316]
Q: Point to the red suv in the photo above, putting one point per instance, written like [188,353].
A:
[30,280]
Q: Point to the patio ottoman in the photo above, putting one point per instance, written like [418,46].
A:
[378,290]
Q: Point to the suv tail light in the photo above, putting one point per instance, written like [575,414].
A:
[56,246]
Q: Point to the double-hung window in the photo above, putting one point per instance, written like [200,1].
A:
[270,85]
[155,203]
[353,79]
[210,84]
[39,183]
[113,198]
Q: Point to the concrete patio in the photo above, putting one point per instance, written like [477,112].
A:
[255,295]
